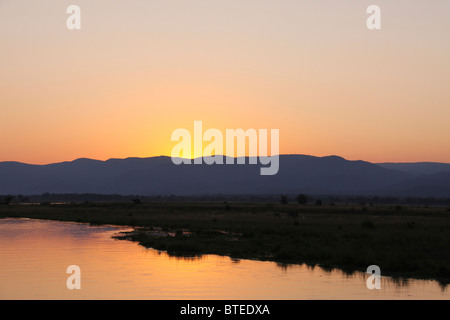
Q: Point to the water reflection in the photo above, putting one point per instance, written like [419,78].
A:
[35,255]
[180,257]
[351,274]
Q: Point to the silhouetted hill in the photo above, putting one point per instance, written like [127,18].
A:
[430,185]
[417,168]
[159,176]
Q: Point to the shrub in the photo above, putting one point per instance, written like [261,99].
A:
[302,199]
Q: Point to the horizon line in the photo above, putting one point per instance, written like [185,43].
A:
[236,157]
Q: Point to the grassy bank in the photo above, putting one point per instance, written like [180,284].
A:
[403,241]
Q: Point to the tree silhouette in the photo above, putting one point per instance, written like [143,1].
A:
[302,199]
[7,200]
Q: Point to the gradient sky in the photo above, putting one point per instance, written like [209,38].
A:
[137,70]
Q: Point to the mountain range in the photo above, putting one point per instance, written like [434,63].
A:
[159,176]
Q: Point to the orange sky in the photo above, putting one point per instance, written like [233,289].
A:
[138,70]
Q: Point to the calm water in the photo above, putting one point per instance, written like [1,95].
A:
[34,256]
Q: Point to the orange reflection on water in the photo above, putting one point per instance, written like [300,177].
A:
[35,254]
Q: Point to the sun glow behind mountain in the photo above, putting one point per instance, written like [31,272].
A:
[137,70]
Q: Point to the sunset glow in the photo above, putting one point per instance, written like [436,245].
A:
[137,70]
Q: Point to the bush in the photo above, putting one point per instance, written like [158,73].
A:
[302,199]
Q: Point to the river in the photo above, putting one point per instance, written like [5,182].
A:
[35,254]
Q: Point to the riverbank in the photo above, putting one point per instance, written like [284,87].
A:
[408,242]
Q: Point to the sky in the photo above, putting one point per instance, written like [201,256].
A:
[140,69]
